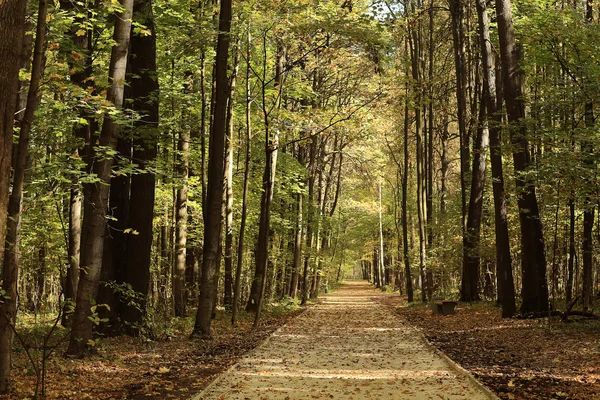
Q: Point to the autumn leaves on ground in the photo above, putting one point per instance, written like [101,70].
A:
[517,359]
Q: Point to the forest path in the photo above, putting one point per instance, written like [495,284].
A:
[345,347]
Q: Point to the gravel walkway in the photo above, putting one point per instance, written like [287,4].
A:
[346,347]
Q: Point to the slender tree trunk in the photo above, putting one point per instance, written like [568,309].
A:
[381,253]
[571,263]
[94,223]
[80,71]
[144,93]
[587,150]
[457,13]
[262,252]
[310,219]
[506,290]
[262,248]
[12,27]
[228,281]
[407,273]
[533,257]
[421,212]
[181,216]
[72,277]
[240,249]
[297,247]
[212,225]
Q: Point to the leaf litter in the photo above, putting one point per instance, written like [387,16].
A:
[516,358]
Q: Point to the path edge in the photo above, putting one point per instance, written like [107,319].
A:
[457,367]
[200,395]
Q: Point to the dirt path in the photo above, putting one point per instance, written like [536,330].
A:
[346,347]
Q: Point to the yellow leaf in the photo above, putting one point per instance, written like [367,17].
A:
[80,32]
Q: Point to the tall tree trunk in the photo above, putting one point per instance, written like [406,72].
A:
[421,212]
[457,13]
[472,236]
[262,252]
[587,150]
[310,219]
[212,225]
[262,247]
[533,257]
[94,222]
[297,248]
[407,273]
[181,216]
[144,93]
[381,252]
[12,27]
[228,281]
[80,71]
[571,262]
[506,289]
[240,249]
[115,243]
[74,250]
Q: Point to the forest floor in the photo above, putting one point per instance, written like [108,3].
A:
[517,359]
[348,346]
[170,367]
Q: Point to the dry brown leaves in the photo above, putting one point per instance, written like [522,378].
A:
[131,368]
[517,359]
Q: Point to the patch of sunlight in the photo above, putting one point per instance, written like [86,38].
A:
[357,374]
[292,335]
[531,374]
[488,328]
[378,329]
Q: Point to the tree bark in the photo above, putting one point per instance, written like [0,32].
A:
[74,251]
[228,281]
[94,222]
[144,93]
[587,150]
[457,14]
[506,289]
[240,249]
[407,273]
[181,216]
[212,225]
[12,28]
[533,257]
[472,236]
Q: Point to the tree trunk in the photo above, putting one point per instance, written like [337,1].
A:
[181,215]
[212,225]
[457,13]
[240,249]
[228,281]
[94,222]
[571,263]
[115,244]
[381,252]
[297,248]
[407,273]
[72,277]
[506,290]
[472,237]
[587,150]
[12,28]
[144,93]
[533,257]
